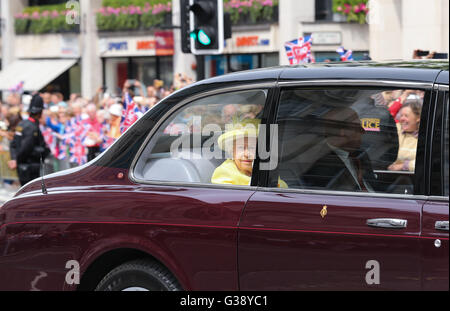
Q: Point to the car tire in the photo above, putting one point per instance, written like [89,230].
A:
[139,275]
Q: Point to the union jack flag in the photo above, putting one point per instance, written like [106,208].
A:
[18,88]
[78,153]
[299,50]
[131,113]
[76,134]
[346,55]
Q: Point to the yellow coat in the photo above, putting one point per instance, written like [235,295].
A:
[407,149]
[228,173]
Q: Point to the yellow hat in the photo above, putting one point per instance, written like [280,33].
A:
[245,128]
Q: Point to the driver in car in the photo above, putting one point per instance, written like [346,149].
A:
[342,165]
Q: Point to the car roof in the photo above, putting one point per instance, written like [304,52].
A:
[424,71]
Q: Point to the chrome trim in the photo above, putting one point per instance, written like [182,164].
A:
[436,198]
[387,223]
[393,172]
[133,178]
[442,87]
[442,225]
[349,82]
[345,193]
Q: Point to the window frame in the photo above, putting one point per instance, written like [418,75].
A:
[269,86]
[436,186]
[346,83]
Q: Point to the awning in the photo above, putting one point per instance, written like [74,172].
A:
[36,73]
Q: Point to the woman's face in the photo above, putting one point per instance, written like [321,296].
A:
[244,153]
[408,120]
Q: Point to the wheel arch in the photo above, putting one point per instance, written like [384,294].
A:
[108,260]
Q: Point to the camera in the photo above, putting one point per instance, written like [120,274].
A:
[422,53]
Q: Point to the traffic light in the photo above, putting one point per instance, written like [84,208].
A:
[206,27]
[185,19]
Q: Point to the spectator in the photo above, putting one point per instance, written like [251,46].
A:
[408,132]
[396,105]
[28,146]
[228,112]
[113,128]
[159,88]
[47,98]
[94,129]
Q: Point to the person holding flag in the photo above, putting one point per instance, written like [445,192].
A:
[346,55]
[299,50]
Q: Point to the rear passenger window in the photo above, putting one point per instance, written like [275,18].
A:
[362,140]
[211,140]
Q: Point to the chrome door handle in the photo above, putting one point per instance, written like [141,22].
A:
[388,223]
[441,225]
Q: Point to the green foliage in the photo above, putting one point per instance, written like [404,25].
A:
[21,25]
[42,8]
[42,20]
[140,3]
[257,11]
[106,22]
[149,20]
[353,10]
[41,25]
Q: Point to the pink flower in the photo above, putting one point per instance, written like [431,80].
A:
[339,8]
[356,9]
[35,15]
[348,8]
[55,14]
[46,13]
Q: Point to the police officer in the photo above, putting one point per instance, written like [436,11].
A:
[28,147]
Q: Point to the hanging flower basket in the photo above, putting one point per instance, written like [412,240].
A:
[245,12]
[352,10]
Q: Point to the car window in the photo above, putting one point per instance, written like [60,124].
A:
[362,140]
[210,140]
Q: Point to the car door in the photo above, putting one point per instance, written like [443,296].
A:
[174,171]
[329,230]
[435,228]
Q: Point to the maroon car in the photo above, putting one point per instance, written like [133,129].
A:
[345,187]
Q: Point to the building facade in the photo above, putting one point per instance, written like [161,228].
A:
[95,54]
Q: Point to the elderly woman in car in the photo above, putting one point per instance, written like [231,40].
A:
[239,142]
[408,132]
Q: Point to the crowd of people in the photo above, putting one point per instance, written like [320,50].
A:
[78,129]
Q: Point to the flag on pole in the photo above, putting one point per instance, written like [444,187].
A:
[299,50]
[346,55]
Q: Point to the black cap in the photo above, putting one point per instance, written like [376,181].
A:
[36,105]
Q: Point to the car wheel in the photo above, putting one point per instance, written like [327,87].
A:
[139,275]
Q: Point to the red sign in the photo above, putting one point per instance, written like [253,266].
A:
[164,43]
[247,41]
[146,45]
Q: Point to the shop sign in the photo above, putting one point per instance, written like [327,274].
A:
[161,43]
[164,43]
[327,38]
[263,41]
[251,41]
[146,45]
[118,46]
